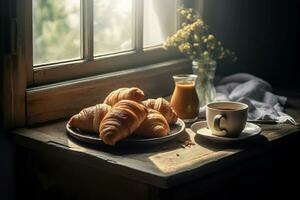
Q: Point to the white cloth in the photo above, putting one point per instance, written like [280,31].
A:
[256,93]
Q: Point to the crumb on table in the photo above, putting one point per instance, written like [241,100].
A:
[187,144]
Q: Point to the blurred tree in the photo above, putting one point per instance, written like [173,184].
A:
[113,26]
[56,30]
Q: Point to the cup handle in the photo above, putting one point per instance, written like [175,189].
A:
[217,121]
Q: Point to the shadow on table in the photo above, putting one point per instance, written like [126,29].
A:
[248,143]
[136,148]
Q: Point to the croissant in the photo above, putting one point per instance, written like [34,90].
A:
[89,118]
[162,106]
[121,121]
[134,94]
[155,125]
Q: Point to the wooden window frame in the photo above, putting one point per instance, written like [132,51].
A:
[47,93]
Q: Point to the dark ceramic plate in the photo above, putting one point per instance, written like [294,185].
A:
[93,138]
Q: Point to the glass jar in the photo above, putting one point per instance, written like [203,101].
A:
[184,98]
[205,70]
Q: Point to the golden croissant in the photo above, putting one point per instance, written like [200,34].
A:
[134,94]
[89,118]
[121,121]
[162,106]
[155,125]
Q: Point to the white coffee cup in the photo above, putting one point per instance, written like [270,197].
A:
[226,118]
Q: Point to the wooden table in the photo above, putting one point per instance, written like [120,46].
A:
[166,171]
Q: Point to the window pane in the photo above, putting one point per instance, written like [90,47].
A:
[113,26]
[56,30]
[159,21]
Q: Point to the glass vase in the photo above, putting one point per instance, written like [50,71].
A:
[205,70]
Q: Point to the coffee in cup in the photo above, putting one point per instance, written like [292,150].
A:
[227,118]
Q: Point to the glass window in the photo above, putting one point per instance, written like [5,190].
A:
[65,31]
[159,21]
[56,31]
[113,26]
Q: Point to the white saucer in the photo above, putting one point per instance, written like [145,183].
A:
[249,131]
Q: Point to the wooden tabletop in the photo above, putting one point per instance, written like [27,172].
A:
[178,161]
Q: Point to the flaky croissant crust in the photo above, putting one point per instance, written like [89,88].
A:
[164,107]
[88,119]
[133,93]
[121,121]
[155,125]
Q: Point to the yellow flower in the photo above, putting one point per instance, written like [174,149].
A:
[189,16]
[183,12]
[211,37]
[194,40]
[205,53]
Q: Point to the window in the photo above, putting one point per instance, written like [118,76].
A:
[68,54]
[56,31]
[91,37]
[159,21]
[113,26]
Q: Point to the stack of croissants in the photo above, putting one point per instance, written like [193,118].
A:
[123,113]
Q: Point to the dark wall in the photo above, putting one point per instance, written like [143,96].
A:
[262,32]
[7,184]
[7,178]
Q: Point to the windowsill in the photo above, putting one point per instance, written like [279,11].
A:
[67,98]
[163,166]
